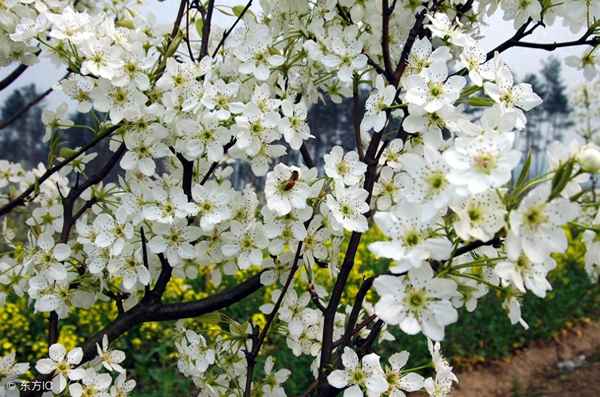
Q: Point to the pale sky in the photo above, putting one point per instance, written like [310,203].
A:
[521,60]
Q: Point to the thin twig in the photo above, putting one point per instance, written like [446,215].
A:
[23,197]
[14,75]
[228,31]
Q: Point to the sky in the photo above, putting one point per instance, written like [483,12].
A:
[522,60]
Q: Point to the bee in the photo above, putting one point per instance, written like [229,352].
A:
[290,183]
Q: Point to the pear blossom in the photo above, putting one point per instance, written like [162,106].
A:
[345,55]
[398,381]
[512,98]
[441,26]
[246,242]
[441,384]
[55,120]
[293,123]
[434,89]
[344,167]
[479,216]
[522,272]
[423,56]
[212,201]
[274,380]
[61,366]
[380,99]
[120,102]
[10,370]
[366,373]
[112,232]
[482,162]
[286,188]
[143,149]
[388,188]
[519,11]
[188,111]
[538,223]
[174,241]
[195,355]
[588,62]
[413,240]
[202,137]
[426,181]
[111,359]
[473,59]
[589,158]
[418,302]
[92,384]
[348,206]
[50,258]
[219,97]
[121,386]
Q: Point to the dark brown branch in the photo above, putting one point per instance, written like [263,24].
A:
[356,308]
[23,197]
[179,18]
[69,202]
[156,311]
[206,29]
[306,157]
[163,278]
[215,164]
[260,339]
[474,245]
[553,46]
[228,31]
[187,34]
[176,311]
[345,270]
[14,75]
[385,37]
[366,345]
[316,299]
[19,113]
[365,323]
[53,328]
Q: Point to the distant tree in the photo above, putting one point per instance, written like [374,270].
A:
[22,140]
[547,122]
[556,102]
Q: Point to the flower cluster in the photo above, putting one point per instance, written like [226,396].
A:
[103,376]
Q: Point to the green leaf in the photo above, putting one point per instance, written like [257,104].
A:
[468,91]
[199,24]
[66,152]
[479,101]
[125,23]
[237,10]
[524,175]
[561,178]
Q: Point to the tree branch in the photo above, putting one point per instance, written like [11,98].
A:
[24,109]
[228,31]
[258,341]
[156,311]
[14,75]
[385,37]
[206,29]
[23,197]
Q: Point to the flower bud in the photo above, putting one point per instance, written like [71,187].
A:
[589,158]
